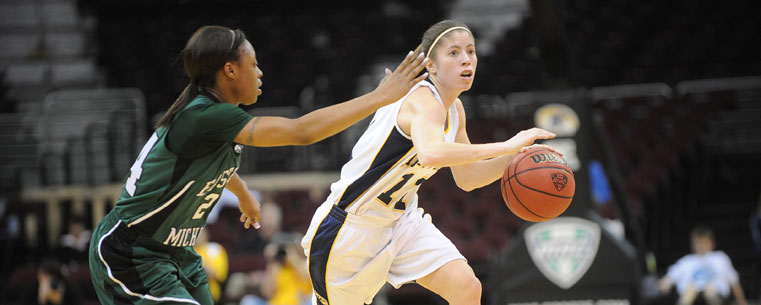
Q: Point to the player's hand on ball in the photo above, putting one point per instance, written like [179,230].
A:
[528,136]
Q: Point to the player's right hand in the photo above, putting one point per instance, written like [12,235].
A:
[527,137]
[395,85]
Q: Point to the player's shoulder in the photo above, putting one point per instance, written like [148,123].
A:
[460,109]
[214,110]
[420,100]
[204,103]
[198,105]
[221,107]
[423,93]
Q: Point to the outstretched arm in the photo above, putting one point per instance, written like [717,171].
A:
[322,123]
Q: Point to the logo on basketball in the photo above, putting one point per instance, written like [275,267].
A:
[540,158]
[563,248]
[559,180]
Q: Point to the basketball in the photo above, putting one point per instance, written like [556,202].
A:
[538,185]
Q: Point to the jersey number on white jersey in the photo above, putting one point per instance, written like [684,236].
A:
[389,195]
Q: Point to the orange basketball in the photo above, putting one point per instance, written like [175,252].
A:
[538,185]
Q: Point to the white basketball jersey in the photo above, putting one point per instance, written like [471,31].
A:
[383,176]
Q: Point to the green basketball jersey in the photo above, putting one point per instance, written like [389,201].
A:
[168,195]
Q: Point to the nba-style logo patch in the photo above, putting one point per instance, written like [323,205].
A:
[238,148]
[563,248]
[559,180]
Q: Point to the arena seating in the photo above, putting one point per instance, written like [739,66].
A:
[674,143]
[624,42]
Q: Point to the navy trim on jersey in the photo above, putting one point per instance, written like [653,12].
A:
[393,149]
[319,251]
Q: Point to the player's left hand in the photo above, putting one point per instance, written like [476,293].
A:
[250,209]
[540,146]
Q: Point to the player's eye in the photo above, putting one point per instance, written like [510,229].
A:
[453,52]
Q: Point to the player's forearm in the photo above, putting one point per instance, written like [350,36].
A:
[325,122]
[445,154]
[237,186]
[481,173]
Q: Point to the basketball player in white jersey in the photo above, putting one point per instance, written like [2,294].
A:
[370,230]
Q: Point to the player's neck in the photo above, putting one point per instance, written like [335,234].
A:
[448,96]
[220,96]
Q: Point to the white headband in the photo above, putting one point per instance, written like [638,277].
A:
[428,54]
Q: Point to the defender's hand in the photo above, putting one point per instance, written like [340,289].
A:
[395,85]
[250,209]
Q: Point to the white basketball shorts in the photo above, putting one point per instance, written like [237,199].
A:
[351,257]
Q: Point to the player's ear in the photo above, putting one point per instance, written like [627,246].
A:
[430,67]
[229,70]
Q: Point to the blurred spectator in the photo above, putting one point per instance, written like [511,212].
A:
[755,227]
[51,287]
[755,231]
[285,281]
[279,282]
[703,273]
[74,244]
[215,263]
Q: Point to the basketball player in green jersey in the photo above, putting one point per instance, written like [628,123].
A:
[141,252]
